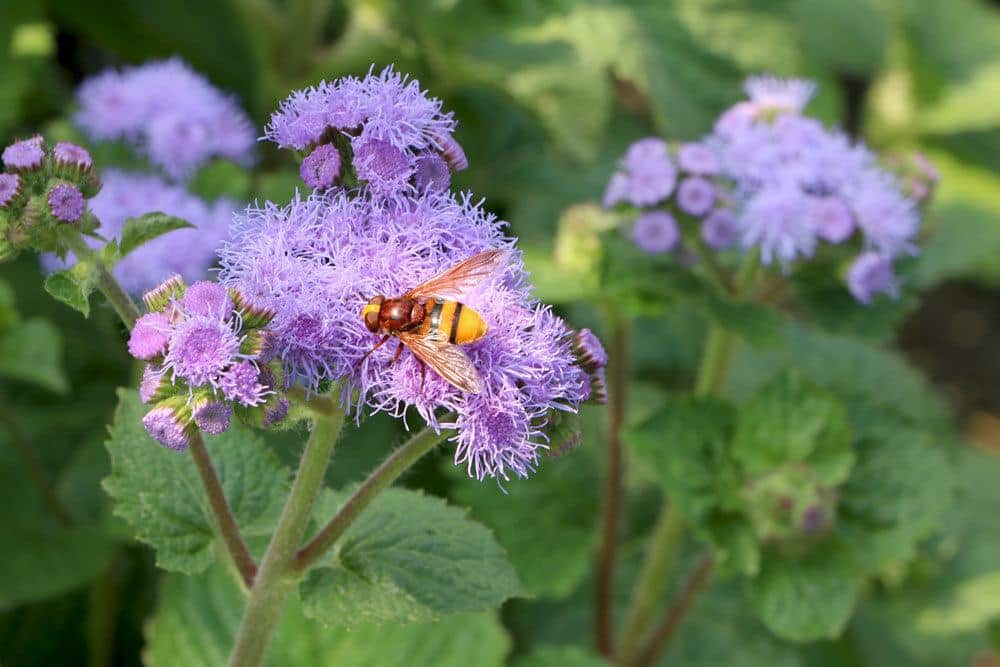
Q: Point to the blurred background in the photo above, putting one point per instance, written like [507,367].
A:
[548,94]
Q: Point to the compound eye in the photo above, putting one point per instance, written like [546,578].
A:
[371,320]
[371,312]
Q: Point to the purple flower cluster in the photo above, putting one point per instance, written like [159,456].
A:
[169,112]
[188,252]
[780,182]
[317,262]
[207,356]
[384,127]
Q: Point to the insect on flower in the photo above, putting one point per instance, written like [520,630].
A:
[431,320]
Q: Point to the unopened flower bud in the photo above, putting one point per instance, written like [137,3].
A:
[69,158]
[253,316]
[26,155]
[322,167]
[598,388]
[10,190]
[169,423]
[66,202]
[589,351]
[149,336]
[208,299]
[212,416]
[158,298]
[451,151]
[154,385]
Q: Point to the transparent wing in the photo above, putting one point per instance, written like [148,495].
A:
[447,360]
[461,278]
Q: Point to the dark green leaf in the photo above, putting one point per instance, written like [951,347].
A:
[848,36]
[408,558]
[32,352]
[63,286]
[146,228]
[561,656]
[159,492]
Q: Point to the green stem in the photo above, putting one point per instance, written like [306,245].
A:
[106,283]
[653,579]
[614,488]
[275,577]
[377,481]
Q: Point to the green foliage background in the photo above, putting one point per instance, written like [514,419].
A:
[548,94]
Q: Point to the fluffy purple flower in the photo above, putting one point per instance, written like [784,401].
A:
[887,218]
[10,188]
[241,383]
[66,202]
[151,381]
[169,112]
[207,299]
[24,155]
[651,174]
[431,174]
[390,121]
[70,155]
[188,252]
[149,336]
[779,221]
[200,349]
[163,425]
[719,229]
[698,158]
[834,222]
[212,416]
[321,168]
[770,93]
[616,191]
[656,232]
[871,274]
[317,262]
[695,195]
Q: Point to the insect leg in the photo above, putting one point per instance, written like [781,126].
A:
[399,351]
[377,346]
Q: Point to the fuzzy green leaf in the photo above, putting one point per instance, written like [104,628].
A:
[561,656]
[408,558]
[64,286]
[806,598]
[159,492]
[196,620]
[138,231]
[32,352]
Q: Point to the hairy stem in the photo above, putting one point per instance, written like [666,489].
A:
[613,487]
[129,313]
[224,518]
[275,577]
[377,481]
[106,283]
[654,578]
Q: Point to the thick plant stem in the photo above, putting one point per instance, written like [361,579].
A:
[106,283]
[129,313]
[661,636]
[224,518]
[381,477]
[653,579]
[613,487]
[275,577]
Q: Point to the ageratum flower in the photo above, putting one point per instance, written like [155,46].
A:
[202,345]
[188,252]
[25,155]
[172,114]
[394,137]
[317,262]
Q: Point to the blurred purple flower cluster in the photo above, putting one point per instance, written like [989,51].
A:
[383,129]
[169,112]
[780,182]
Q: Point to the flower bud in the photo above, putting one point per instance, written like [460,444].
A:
[322,167]
[158,298]
[563,432]
[154,385]
[211,416]
[70,161]
[598,388]
[589,351]
[254,317]
[170,423]
[65,202]
[149,336]
[26,155]
[11,189]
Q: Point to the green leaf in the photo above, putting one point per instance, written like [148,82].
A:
[686,445]
[32,352]
[408,558]
[791,421]
[847,36]
[552,551]
[561,656]
[64,286]
[807,598]
[196,620]
[137,231]
[759,325]
[159,492]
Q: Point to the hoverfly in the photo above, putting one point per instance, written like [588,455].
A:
[432,322]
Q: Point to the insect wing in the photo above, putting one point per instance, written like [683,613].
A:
[461,278]
[447,360]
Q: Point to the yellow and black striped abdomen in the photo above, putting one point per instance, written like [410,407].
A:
[457,321]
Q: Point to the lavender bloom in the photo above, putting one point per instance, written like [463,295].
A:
[431,174]
[66,202]
[616,190]
[695,195]
[212,416]
[772,93]
[152,379]
[169,112]
[317,261]
[200,349]
[166,427]
[778,220]
[391,123]
[67,154]
[207,299]
[188,252]
[24,155]
[321,168]
[656,232]
[834,222]
[719,229]
[651,174]
[871,274]
[698,158]
[10,188]
[241,383]
[149,336]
